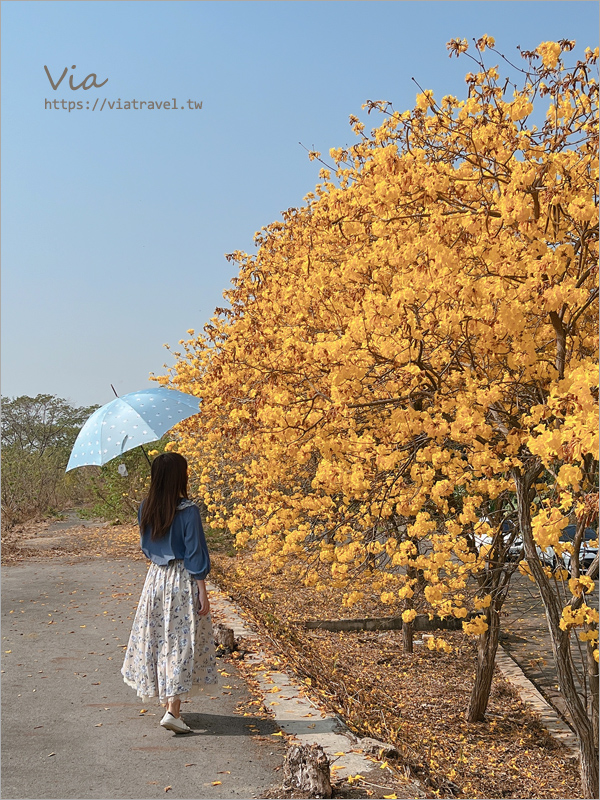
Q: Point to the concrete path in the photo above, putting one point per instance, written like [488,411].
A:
[526,638]
[72,729]
[528,693]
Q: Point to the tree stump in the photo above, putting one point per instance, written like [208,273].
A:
[376,748]
[306,767]
[224,637]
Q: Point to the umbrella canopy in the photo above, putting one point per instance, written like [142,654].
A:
[129,421]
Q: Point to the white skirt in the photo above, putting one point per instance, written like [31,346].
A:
[171,650]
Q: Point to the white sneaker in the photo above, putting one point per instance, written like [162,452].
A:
[175,724]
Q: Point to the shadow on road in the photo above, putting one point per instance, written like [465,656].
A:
[224,725]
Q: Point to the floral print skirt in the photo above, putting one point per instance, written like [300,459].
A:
[171,650]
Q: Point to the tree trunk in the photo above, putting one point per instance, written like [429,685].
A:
[561,343]
[561,645]
[486,660]
[407,637]
[592,666]
[588,766]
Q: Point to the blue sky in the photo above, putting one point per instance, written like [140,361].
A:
[115,223]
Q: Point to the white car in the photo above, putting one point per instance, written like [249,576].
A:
[516,551]
[587,550]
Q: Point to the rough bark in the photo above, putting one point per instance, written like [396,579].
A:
[588,765]
[306,767]
[561,646]
[592,665]
[486,660]
[224,637]
[407,637]
[561,342]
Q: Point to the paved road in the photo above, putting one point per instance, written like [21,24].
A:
[72,729]
[525,636]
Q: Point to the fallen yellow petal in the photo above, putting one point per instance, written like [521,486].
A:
[354,778]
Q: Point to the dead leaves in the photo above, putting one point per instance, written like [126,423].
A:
[117,541]
[387,703]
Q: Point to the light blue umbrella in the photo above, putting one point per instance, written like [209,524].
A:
[130,421]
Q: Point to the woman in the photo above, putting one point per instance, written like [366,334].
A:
[171,652]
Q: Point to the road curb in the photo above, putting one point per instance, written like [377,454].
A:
[332,734]
[294,712]
[528,693]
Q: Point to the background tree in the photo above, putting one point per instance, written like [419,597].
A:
[37,436]
[35,424]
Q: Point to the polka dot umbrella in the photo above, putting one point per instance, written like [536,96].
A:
[130,421]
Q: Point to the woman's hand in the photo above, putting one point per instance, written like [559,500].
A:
[203,604]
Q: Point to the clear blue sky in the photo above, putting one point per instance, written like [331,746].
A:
[115,223]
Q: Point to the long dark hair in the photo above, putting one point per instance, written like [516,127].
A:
[168,484]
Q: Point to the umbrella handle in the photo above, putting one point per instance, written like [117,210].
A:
[146,454]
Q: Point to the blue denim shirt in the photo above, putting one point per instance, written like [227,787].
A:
[184,540]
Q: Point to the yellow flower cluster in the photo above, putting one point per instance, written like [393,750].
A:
[475,626]
[435,643]
[550,52]
[584,615]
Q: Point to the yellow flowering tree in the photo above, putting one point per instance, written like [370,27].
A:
[406,366]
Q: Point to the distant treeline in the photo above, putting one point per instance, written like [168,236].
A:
[38,434]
